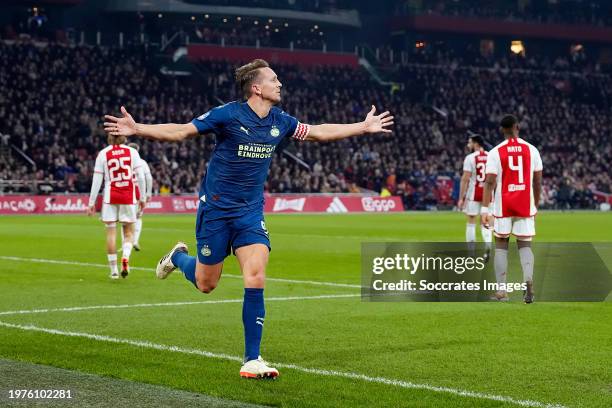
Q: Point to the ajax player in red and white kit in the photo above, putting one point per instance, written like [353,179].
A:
[514,170]
[117,164]
[472,189]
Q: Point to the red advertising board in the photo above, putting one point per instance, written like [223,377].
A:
[601,197]
[77,204]
[56,204]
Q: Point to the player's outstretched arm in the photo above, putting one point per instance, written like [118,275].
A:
[167,132]
[372,124]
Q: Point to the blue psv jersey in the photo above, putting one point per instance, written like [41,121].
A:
[239,165]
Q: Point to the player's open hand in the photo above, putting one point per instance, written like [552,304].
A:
[460,204]
[378,123]
[486,220]
[124,126]
[91,210]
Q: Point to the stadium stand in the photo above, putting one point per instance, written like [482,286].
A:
[51,113]
[565,12]
[253,31]
[55,94]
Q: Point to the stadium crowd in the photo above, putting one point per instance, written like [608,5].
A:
[55,95]
[248,33]
[473,54]
[592,12]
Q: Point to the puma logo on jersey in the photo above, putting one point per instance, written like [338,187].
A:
[245,130]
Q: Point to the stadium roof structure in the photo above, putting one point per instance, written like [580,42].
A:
[349,18]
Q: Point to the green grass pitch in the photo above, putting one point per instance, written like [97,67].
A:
[332,349]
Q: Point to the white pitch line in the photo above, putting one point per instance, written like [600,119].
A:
[202,302]
[137,268]
[329,373]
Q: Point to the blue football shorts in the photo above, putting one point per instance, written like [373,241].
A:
[219,233]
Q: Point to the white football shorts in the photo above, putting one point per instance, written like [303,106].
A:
[522,228]
[119,213]
[472,207]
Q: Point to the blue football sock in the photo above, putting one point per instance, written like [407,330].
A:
[187,264]
[253,313]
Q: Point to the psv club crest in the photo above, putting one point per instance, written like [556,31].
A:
[206,251]
[274,132]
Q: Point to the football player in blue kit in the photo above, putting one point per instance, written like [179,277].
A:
[230,214]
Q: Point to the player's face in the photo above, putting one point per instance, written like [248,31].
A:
[470,145]
[270,86]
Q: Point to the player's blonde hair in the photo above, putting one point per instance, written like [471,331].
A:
[116,140]
[247,74]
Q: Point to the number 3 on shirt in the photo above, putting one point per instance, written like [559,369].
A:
[480,172]
[119,169]
[517,167]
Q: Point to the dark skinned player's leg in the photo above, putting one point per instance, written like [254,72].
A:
[527,261]
[501,264]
